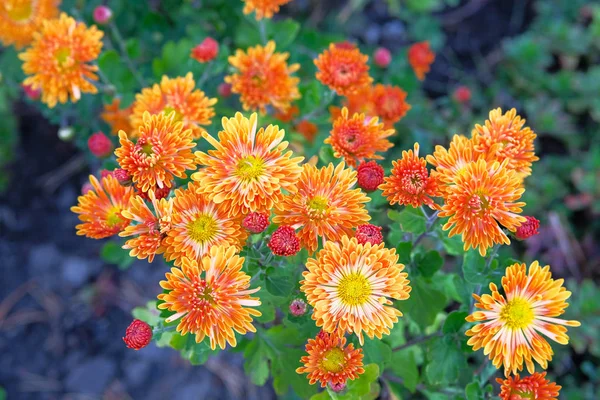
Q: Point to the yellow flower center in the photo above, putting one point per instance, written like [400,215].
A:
[20,12]
[333,360]
[249,168]
[517,313]
[318,203]
[147,149]
[203,228]
[178,116]
[62,56]
[113,217]
[354,289]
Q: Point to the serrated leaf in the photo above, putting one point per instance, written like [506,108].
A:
[454,321]
[362,385]
[377,352]
[411,220]
[148,314]
[285,32]
[424,303]
[446,360]
[403,249]
[429,263]
[474,268]
[405,366]
[279,285]
[256,364]
[473,391]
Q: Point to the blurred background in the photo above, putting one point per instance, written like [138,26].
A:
[65,301]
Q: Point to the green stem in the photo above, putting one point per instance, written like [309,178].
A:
[205,75]
[262,30]
[417,340]
[156,331]
[431,219]
[123,49]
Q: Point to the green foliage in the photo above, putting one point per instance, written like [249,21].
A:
[113,253]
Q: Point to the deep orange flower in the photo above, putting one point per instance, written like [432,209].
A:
[509,326]
[324,206]
[211,297]
[161,152]
[344,69]
[504,138]
[352,287]
[356,102]
[263,8]
[118,118]
[263,78]
[191,106]
[21,19]
[287,115]
[197,224]
[483,197]
[358,137]
[535,386]
[307,129]
[389,103]
[58,61]
[329,360]
[410,183]
[248,169]
[420,58]
[151,226]
[101,209]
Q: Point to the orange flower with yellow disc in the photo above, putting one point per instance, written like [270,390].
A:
[535,386]
[101,209]
[263,78]
[59,60]
[263,8]
[249,167]
[324,206]
[329,360]
[343,68]
[211,298]
[161,152]
[510,326]
[179,95]
[118,118]
[352,287]
[420,57]
[21,19]
[358,137]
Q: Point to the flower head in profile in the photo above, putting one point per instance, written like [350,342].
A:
[151,226]
[329,360]
[510,325]
[211,298]
[325,205]
[161,152]
[343,68]
[483,197]
[535,386]
[420,57]
[504,137]
[198,224]
[352,287]
[21,19]
[249,167]
[528,228]
[101,209]
[410,183]
[357,137]
[263,8]
[59,60]
[191,106]
[116,117]
[263,78]
[389,103]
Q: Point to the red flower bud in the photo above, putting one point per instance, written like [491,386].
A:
[102,15]
[462,94]
[159,193]
[205,51]
[122,176]
[337,387]
[100,145]
[370,176]
[284,242]
[256,222]
[368,233]
[345,45]
[382,57]
[138,335]
[224,90]
[528,228]
[104,173]
[298,307]
[30,92]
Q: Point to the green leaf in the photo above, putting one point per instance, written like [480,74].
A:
[455,321]
[279,283]
[411,220]
[429,263]
[405,366]
[113,253]
[445,361]
[474,268]
[454,245]
[116,71]
[256,364]
[377,352]
[284,32]
[424,303]
[2,393]
[362,385]
[403,249]
[148,314]
[473,391]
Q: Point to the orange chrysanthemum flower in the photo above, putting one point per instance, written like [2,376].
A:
[343,68]
[449,162]
[198,224]
[263,78]
[101,209]
[420,58]
[535,386]
[211,297]
[288,115]
[329,360]
[325,205]
[249,169]
[504,138]
[509,325]
[59,60]
[351,287]
[161,152]
[20,19]
[358,138]
[410,183]
[116,117]
[263,8]
[307,129]
[356,102]
[191,106]
[389,103]
[151,227]
[482,196]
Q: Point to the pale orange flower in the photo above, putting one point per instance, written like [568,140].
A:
[59,60]
[211,298]
[535,386]
[449,162]
[21,19]
[118,118]
[343,68]
[179,95]
[329,360]
[101,209]
[358,137]
[161,152]
[420,57]
[263,8]
[509,326]
[352,287]
[325,205]
[263,78]
[249,168]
